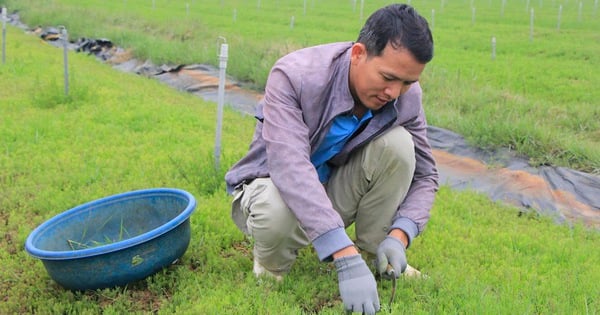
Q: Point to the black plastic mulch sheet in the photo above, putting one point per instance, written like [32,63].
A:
[566,194]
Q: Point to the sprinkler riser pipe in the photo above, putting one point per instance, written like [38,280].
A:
[3,35]
[223,55]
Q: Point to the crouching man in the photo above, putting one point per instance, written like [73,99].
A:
[341,139]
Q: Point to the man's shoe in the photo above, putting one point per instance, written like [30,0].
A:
[259,270]
[413,273]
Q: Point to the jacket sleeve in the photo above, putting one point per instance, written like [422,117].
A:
[414,212]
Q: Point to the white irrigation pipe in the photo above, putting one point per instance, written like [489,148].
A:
[223,55]
[559,17]
[3,35]
[493,48]
[362,9]
[65,37]
[531,26]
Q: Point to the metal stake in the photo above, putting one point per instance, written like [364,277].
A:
[392,273]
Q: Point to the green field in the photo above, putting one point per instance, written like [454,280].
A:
[539,92]
[117,132]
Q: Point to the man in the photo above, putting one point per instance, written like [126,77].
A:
[341,139]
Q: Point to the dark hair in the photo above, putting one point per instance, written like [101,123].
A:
[401,26]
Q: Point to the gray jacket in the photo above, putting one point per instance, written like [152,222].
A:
[305,91]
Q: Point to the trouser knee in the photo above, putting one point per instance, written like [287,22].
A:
[275,229]
[269,218]
[392,152]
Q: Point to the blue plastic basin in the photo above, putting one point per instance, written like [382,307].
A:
[114,240]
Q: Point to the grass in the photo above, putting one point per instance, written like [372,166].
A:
[118,132]
[86,242]
[539,91]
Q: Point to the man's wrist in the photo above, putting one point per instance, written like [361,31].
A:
[347,251]
[400,235]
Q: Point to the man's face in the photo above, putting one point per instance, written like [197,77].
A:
[376,80]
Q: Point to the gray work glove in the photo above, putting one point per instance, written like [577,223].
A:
[357,285]
[391,252]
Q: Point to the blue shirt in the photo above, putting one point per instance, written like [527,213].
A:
[342,128]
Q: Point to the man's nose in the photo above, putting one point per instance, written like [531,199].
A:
[396,89]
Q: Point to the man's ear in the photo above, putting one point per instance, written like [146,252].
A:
[359,50]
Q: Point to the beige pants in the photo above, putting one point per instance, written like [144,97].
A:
[365,191]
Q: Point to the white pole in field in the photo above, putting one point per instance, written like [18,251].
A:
[304,7]
[527,6]
[187,9]
[493,47]
[362,8]
[153,4]
[580,9]
[65,37]
[559,16]
[292,22]
[220,99]
[3,35]
[531,26]
[502,9]
[595,7]
[473,16]
[432,18]
[234,15]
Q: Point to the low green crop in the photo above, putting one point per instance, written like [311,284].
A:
[121,132]
[534,91]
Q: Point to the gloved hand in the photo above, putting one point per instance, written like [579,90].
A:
[391,251]
[357,285]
